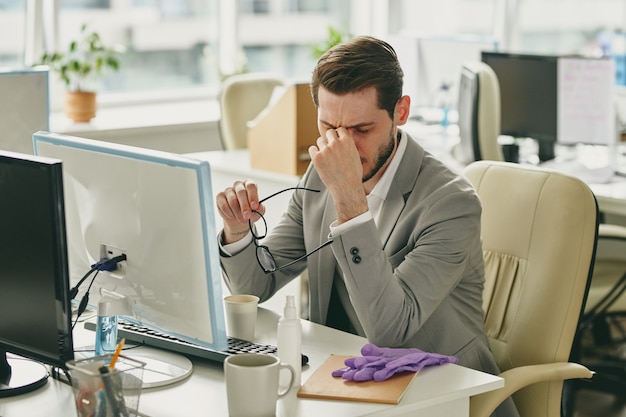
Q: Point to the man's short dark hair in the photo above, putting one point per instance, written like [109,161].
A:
[357,64]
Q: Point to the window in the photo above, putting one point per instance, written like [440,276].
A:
[278,36]
[444,17]
[13,21]
[168,43]
[567,26]
[172,45]
[176,47]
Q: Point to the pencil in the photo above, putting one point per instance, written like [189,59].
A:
[116,355]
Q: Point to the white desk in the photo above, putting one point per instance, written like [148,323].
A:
[611,197]
[437,391]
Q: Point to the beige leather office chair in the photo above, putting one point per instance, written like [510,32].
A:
[479,114]
[539,231]
[242,98]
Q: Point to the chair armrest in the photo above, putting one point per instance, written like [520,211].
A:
[484,405]
[611,231]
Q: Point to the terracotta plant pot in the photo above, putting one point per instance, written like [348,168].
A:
[80,106]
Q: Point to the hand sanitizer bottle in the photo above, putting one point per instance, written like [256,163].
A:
[106,327]
[290,342]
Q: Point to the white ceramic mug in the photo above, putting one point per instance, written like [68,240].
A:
[241,312]
[252,384]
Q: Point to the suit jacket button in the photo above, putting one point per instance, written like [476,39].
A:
[354,250]
[356,259]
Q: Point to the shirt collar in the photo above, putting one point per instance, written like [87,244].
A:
[382,187]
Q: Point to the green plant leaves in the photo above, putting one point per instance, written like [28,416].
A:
[84,61]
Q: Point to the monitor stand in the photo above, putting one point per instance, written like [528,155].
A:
[20,375]
[546,150]
[162,367]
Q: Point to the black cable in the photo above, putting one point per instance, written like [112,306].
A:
[102,265]
[124,349]
[74,289]
[83,301]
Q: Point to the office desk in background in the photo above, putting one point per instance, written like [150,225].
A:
[610,194]
[226,166]
[435,392]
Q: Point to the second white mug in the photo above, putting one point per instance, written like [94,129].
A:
[252,384]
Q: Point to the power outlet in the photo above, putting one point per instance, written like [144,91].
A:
[109,252]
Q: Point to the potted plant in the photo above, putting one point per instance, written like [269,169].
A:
[79,68]
[335,37]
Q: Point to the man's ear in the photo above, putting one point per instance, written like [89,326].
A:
[401,113]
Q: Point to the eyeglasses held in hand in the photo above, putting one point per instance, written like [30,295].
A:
[263,254]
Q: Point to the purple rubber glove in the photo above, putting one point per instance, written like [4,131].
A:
[379,364]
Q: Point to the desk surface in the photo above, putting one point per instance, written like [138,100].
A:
[436,391]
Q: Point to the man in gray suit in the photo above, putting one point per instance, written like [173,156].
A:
[392,239]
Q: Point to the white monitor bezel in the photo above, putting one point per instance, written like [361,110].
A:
[52,144]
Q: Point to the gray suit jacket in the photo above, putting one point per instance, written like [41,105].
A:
[417,279]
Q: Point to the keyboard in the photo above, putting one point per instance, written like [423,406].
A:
[150,337]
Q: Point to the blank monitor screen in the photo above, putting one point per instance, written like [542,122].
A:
[156,208]
[528,97]
[528,94]
[35,312]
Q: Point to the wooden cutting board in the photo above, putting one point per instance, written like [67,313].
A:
[323,385]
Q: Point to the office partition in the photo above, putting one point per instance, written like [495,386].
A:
[24,107]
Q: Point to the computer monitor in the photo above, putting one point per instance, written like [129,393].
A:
[35,310]
[528,97]
[555,99]
[430,61]
[157,209]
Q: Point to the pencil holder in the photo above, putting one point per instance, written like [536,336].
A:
[104,391]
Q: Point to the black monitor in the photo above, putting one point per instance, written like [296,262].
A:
[35,309]
[528,97]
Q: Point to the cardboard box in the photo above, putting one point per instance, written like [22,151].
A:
[279,137]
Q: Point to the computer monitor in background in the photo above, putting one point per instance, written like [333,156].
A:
[156,208]
[528,97]
[555,99]
[24,107]
[35,310]
[430,61]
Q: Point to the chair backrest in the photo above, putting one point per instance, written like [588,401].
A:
[539,231]
[479,114]
[242,98]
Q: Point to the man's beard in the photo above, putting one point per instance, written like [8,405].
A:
[382,158]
